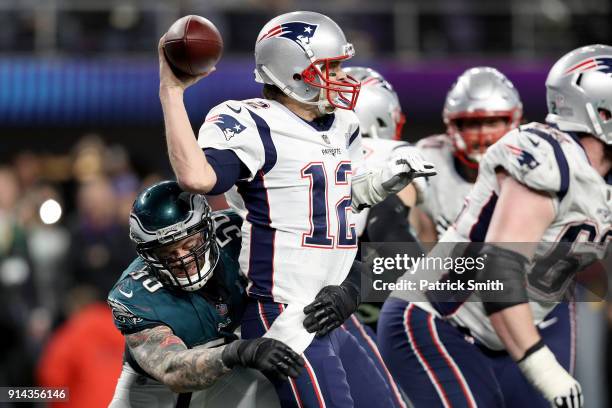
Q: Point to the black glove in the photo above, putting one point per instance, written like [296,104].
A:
[272,357]
[331,307]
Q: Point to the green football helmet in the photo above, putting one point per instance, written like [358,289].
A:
[174,234]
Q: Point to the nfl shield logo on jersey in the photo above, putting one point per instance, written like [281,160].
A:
[325,138]
[229,125]
[221,309]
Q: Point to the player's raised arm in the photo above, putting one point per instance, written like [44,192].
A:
[166,358]
[190,166]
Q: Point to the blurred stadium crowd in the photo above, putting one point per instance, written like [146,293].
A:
[64,240]
[63,244]
[64,212]
[391,28]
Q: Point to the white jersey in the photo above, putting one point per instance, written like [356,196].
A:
[376,153]
[547,160]
[298,233]
[441,197]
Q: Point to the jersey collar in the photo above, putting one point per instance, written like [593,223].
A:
[320,124]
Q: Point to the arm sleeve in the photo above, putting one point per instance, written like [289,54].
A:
[229,126]
[228,168]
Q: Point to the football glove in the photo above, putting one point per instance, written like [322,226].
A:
[374,186]
[331,307]
[544,372]
[272,357]
[403,168]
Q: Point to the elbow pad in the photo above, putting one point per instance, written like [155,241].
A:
[508,268]
[367,190]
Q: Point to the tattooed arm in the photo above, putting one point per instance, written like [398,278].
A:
[166,358]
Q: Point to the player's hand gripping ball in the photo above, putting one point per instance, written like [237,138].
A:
[193,45]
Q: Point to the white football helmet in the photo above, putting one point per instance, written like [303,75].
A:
[378,109]
[480,92]
[579,92]
[293,52]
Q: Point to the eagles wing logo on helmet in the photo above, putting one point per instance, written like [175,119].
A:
[602,64]
[229,125]
[297,31]
[524,158]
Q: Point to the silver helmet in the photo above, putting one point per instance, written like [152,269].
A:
[378,109]
[480,92]
[294,52]
[579,92]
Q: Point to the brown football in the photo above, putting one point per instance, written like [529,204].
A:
[193,45]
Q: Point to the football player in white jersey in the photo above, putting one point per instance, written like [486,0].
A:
[481,107]
[545,184]
[287,163]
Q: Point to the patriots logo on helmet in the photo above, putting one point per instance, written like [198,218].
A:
[524,158]
[601,64]
[373,81]
[296,31]
[229,125]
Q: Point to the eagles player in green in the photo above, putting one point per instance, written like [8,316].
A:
[178,305]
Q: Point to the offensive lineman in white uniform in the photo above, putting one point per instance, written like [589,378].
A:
[542,183]
[288,160]
[481,107]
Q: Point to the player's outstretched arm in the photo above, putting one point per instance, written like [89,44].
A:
[190,166]
[166,358]
[512,318]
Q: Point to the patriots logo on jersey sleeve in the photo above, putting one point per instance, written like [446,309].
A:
[602,64]
[228,125]
[524,158]
[296,31]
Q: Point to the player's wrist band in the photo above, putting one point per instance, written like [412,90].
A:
[537,346]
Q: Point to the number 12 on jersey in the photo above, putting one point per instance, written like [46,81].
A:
[320,235]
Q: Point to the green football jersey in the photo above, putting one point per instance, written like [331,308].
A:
[208,316]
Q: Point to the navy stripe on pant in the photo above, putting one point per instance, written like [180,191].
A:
[366,338]
[437,365]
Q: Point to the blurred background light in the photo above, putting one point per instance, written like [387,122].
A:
[50,211]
